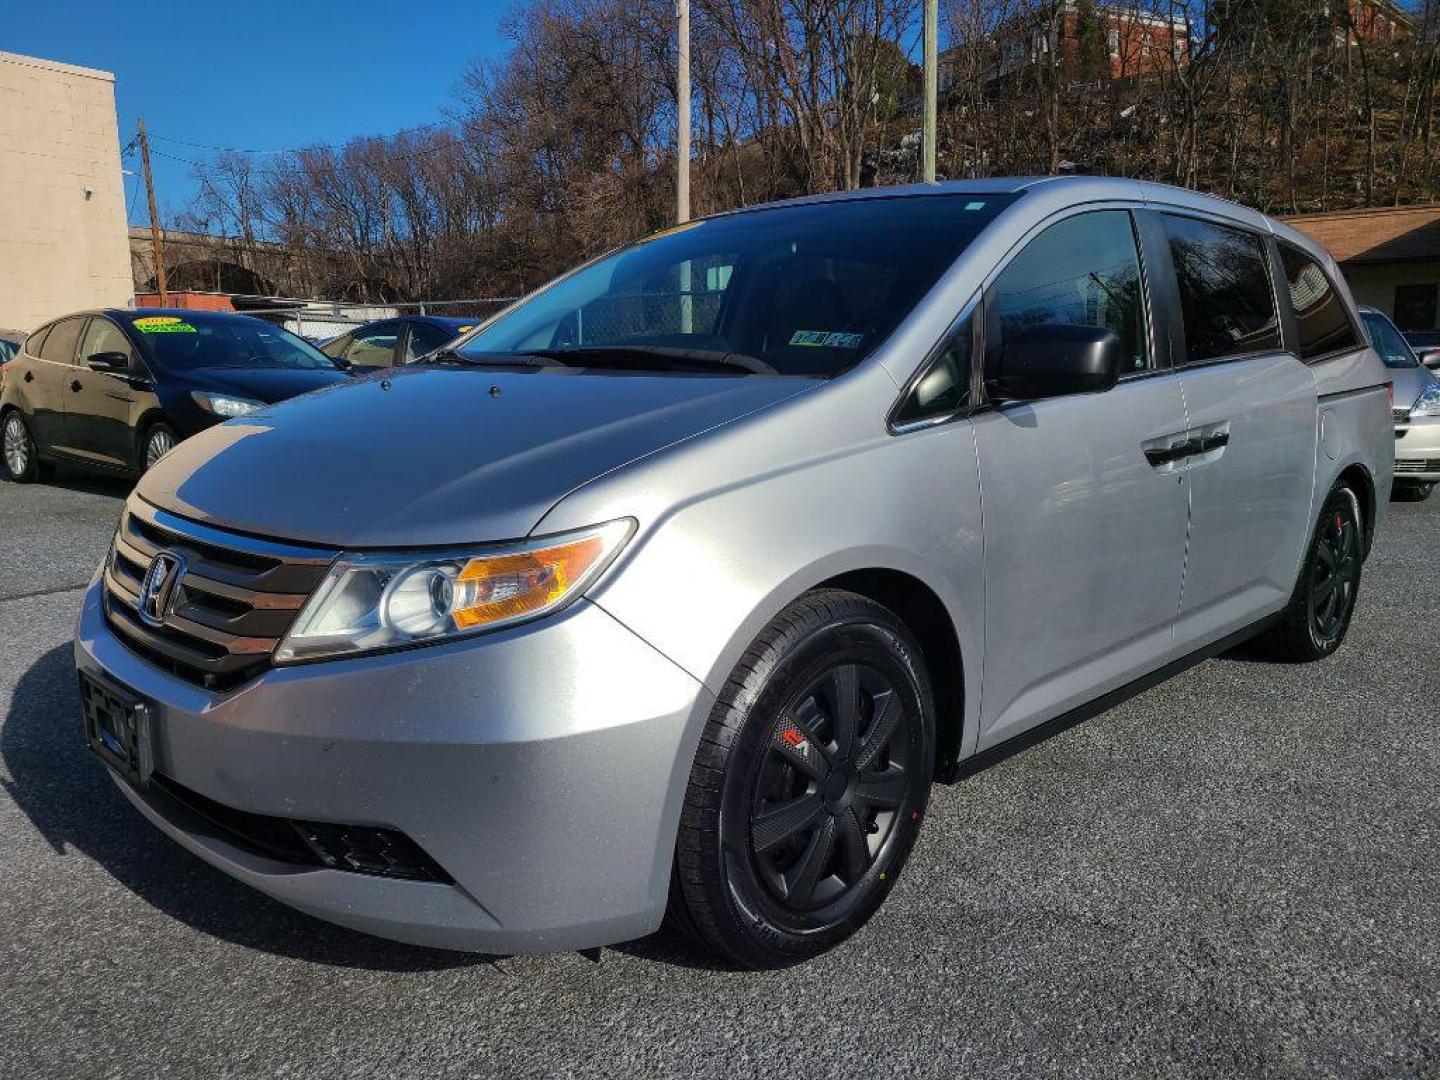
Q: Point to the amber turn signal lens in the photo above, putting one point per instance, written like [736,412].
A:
[500,587]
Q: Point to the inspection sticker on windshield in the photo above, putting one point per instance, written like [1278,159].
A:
[826,340]
[163,324]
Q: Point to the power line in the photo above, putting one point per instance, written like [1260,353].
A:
[314,146]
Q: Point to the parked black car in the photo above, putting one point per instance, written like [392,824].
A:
[391,342]
[1426,344]
[116,389]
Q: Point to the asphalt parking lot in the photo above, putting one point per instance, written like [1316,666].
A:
[1237,873]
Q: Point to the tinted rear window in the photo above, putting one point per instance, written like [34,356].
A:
[1225,296]
[1324,324]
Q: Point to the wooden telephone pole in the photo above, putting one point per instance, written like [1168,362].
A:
[156,252]
[932,46]
[682,112]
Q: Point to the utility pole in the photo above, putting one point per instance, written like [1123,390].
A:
[932,84]
[155,250]
[682,113]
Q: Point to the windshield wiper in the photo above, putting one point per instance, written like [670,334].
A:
[645,355]
[448,355]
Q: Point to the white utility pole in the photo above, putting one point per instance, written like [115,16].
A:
[932,83]
[682,113]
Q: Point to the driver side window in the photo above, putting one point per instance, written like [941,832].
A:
[1082,271]
[103,336]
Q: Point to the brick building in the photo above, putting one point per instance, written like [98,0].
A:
[1093,41]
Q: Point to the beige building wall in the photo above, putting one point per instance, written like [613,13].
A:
[63,241]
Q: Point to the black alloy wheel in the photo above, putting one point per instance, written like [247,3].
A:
[1334,572]
[809,785]
[1314,623]
[832,780]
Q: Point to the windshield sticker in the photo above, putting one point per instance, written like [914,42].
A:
[822,339]
[163,324]
[466,329]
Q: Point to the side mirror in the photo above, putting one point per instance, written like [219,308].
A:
[1054,359]
[117,363]
[1431,359]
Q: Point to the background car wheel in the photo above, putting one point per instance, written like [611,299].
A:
[159,441]
[22,457]
[809,785]
[1411,492]
[1314,623]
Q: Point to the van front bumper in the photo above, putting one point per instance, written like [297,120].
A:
[542,768]
[1417,450]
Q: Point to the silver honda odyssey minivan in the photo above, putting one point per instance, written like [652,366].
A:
[700,564]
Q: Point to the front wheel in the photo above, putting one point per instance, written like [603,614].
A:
[809,785]
[159,441]
[1314,623]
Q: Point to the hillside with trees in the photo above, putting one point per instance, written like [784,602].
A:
[565,147]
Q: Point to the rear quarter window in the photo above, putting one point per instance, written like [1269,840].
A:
[1321,318]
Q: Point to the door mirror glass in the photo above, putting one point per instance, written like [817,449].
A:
[1054,359]
[108,361]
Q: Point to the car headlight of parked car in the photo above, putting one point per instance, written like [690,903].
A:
[225,405]
[373,602]
[1428,403]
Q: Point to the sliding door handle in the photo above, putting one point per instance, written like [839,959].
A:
[1165,455]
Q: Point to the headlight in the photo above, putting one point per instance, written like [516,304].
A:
[224,404]
[1428,403]
[373,602]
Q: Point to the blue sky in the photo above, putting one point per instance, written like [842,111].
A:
[256,73]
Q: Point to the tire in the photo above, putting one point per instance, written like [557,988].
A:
[159,440]
[19,450]
[1411,492]
[1317,618]
[796,824]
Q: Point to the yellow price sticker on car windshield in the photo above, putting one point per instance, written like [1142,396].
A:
[163,324]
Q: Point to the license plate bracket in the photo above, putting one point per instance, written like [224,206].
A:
[118,727]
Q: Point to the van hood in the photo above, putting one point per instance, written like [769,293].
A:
[438,455]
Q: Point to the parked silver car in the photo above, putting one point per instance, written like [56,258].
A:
[703,561]
[1417,409]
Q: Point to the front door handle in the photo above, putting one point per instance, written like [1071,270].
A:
[75,385]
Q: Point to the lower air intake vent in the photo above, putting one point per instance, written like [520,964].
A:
[359,849]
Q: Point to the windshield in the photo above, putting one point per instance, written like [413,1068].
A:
[192,341]
[1388,342]
[798,290]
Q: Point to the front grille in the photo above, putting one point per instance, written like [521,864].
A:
[236,600]
[1417,465]
[1402,416]
[359,849]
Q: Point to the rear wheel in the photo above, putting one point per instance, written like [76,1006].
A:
[17,446]
[809,785]
[1317,618]
[1411,492]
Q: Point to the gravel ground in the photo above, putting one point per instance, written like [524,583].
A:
[1236,873]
